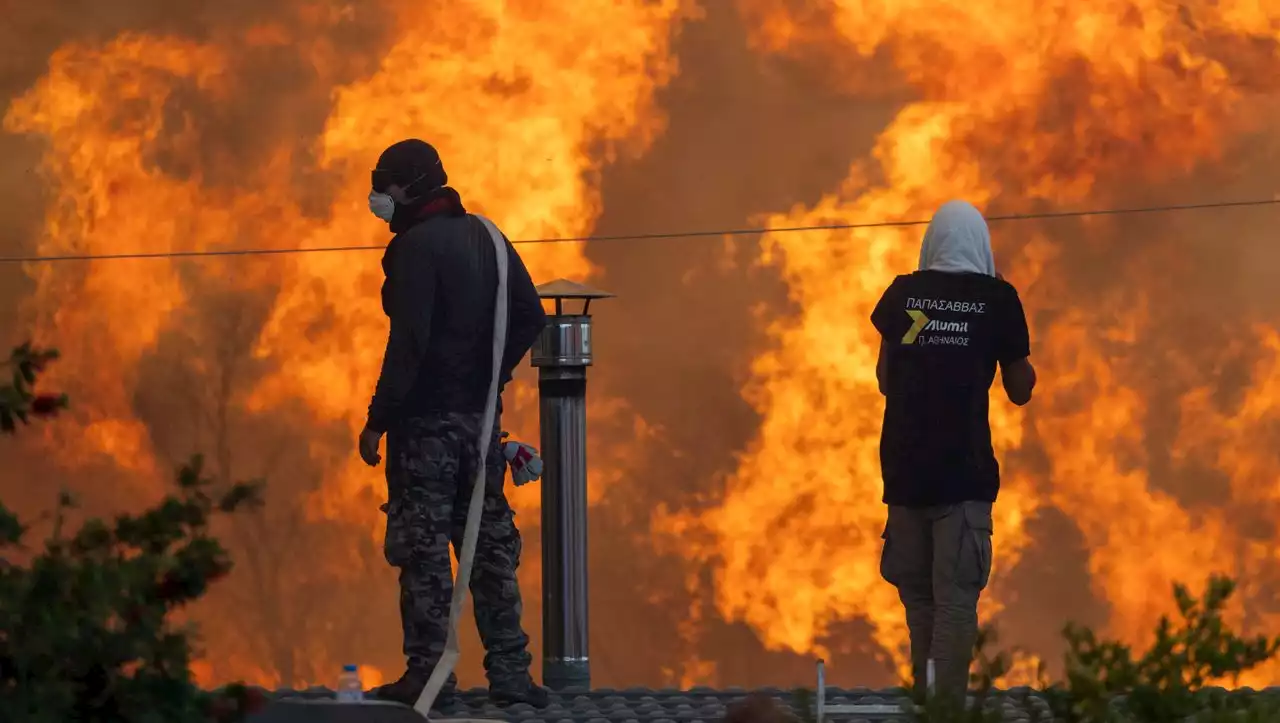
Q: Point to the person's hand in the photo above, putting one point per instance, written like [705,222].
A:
[526,465]
[368,446]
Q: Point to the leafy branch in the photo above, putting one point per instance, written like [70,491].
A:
[86,629]
[19,401]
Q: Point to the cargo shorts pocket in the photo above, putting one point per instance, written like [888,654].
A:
[408,530]
[889,567]
[975,546]
[397,545]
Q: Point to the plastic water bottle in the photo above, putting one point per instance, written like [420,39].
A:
[349,688]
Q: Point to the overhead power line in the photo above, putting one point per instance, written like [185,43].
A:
[659,236]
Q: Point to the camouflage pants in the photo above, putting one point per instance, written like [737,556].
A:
[939,558]
[431,466]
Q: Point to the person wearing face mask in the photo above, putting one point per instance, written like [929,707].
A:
[944,330]
[439,293]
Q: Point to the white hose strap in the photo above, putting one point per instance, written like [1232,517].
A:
[449,658]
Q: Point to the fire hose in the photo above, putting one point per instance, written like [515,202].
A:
[449,658]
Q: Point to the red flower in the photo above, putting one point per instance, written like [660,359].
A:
[45,405]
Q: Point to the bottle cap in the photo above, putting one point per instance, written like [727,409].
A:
[348,668]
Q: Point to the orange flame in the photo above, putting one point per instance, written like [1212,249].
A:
[526,103]
[1235,442]
[1059,102]
[1020,100]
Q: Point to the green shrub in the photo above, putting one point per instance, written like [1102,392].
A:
[1170,683]
[86,629]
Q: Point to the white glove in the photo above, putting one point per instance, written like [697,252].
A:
[526,465]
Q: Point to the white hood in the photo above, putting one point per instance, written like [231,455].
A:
[958,241]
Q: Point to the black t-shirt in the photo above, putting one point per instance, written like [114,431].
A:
[943,334]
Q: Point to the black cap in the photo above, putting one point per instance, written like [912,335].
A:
[410,162]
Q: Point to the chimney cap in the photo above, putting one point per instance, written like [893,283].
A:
[566,289]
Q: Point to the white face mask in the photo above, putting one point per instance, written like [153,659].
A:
[382,205]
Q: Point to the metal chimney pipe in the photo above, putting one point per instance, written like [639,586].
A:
[561,355]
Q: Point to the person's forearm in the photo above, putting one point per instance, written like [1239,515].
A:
[517,348]
[882,370]
[1019,381]
[527,316]
[399,372]
[522,338]
[526,323]
[412,306]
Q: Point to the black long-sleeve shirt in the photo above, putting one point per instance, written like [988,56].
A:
[439,293]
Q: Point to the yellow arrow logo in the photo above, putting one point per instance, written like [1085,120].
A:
[918,323]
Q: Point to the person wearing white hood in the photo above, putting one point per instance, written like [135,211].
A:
[944,329]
